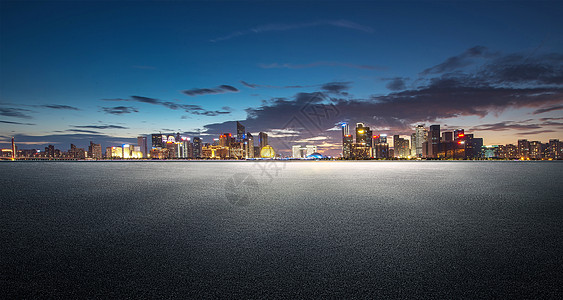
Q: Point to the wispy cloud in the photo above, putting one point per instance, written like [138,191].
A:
[210,91]
[15,123]
[15,112]
[320,64]
[189,108]
[119,110]
[544,110]
[101,126]
[58,106]
[255,85]
[284,27]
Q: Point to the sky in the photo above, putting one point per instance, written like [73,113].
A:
[109,71]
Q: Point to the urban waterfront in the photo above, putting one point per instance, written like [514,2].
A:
[265,229]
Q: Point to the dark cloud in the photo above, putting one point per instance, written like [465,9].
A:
[218,90]
[119,110]
[58,106]
[189,108]
[101,126]
[396,84]
[83,131]
[15,123]
[285,27]
[335,87]
[543,110]
[506,125]
[522,69]
[320,64]
[254,86]
[14,112]
[459,61]
[536,132]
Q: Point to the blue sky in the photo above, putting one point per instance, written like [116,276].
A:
[109,71]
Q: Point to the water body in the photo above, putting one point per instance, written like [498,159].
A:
[296,229]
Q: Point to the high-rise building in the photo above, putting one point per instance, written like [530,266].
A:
[380,147]
[345,135]
[240,132]
[417,140]
[433,141]
[197,147]
[95,151]
[225,140]
[554,149]
[535,150]
[262,139]
[249,145]
[157,140]
[524,149]
[459,134]
[14,150]
[447,136]
[363,135]
[401,147]
[142,143]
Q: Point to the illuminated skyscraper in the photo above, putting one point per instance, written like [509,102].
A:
[95,151]
[263,139]
[401,147]
[523,149]
[157,140]
[240,132]
[362,134]
[225,140]
[13,149]
[249,145]
[433,141]
[142,143]
[417,140]
[197,147]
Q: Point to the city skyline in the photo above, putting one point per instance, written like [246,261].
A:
[111,72]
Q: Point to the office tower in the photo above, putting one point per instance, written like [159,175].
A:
[554,149]
[142,143]
[345,129]
[249,145]
[95,151]
[240,132]
[535,150]
[347,146]
[447,136]
[157,140]
[225,140]
[14,155]
[345,134]
[523,149]
[400,147]
[362,134]
[380,147]
[262,139]
[77,153]
[197,147]
[417,141]
[459,134]
[433,141]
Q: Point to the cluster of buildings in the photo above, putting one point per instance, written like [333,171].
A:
[431,143]
[227,146]
[423,143]
[163,146]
